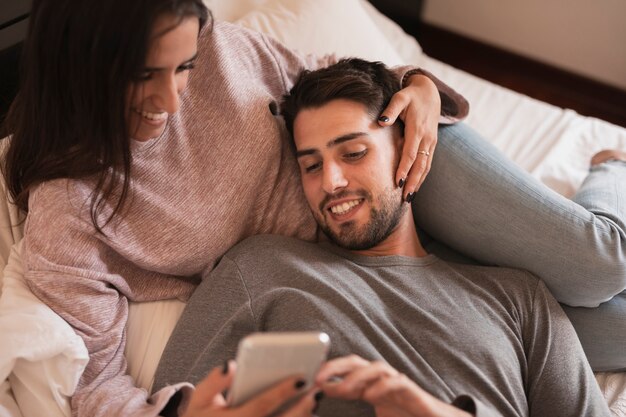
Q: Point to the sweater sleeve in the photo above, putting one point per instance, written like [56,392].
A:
[217,316]
[454,107]
[559,380]
[67,268]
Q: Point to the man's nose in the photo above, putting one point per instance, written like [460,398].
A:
[333,178]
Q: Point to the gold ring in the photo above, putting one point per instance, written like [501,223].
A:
[424,153]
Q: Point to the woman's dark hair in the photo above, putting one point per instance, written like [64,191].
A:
[69,118]
[369,83]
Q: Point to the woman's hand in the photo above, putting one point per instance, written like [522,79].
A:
[391,393]
[418,105]
[208,400]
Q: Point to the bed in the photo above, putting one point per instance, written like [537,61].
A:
[41,359]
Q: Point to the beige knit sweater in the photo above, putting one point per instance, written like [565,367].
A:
[221,171]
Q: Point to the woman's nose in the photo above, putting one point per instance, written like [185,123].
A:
[169,94]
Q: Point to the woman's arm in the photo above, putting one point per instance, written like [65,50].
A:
[208,400]
[74,272]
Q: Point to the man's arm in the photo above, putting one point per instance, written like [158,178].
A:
[390,392]
[217,316]
[559,380]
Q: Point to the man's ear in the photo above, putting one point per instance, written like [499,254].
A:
[398,134]
[398,138]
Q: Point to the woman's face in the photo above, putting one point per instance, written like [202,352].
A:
[156,94]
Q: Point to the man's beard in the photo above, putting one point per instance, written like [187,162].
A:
[383,221]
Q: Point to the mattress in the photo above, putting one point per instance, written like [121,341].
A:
[41,359]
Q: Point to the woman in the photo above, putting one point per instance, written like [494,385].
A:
[149,182]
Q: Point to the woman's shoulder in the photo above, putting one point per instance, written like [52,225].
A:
[222,31]
[231,42]
[226,39]
[59,194]
[58,207]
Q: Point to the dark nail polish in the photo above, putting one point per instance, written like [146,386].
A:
[225,368]
[401,183]
[273,108]
[410,197]
[334,379]
[318,397]
[300,384]
[383,119]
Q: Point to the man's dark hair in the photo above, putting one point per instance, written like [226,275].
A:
[369,83]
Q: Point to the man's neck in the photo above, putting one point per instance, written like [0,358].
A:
[402,241]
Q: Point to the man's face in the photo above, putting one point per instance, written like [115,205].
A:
[347,163]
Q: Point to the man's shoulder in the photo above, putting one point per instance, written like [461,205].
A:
[506,280]
[263,246]
[278,256]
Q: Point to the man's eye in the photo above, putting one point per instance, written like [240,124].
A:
[313,167]
[354,156]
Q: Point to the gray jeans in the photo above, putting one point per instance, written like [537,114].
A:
[480,204]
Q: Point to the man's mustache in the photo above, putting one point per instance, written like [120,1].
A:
[343,194]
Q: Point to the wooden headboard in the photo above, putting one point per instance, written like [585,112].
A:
[403,12]
[13,23]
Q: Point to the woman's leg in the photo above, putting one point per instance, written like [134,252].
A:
[481,204]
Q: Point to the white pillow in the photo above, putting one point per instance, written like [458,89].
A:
[231,10]
[8,404]
[40,354]
[11,221]
[405,45]
[321,27]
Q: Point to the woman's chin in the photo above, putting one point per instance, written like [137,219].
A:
[149,131]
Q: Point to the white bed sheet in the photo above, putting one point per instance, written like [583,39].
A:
[554,145]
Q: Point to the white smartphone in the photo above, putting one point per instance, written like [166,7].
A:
[264,359]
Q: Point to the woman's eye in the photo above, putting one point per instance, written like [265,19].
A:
[313,167]
[145,76]
[186,67]
[353,156]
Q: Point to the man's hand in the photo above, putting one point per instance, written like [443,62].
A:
[391,393]
[418,105]
[208,400]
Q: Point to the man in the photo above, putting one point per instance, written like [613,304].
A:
[491,340]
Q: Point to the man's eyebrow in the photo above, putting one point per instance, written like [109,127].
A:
[153,69]
[334,142]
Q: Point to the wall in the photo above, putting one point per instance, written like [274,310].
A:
[582,36]
[9,11]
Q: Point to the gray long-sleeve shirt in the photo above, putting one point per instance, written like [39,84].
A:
[494,334]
